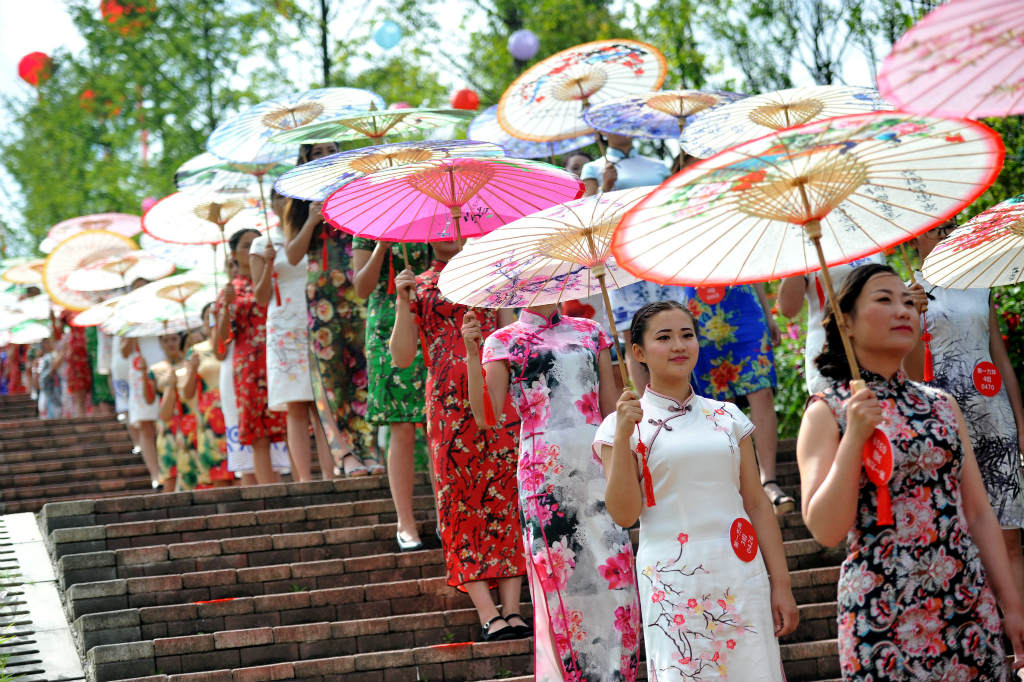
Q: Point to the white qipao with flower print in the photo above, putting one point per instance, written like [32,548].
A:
[706,610]
[580,563]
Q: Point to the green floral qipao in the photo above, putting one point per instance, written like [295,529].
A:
[337,332]
[395,394]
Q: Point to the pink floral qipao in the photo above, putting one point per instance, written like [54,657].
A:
[914,603]
[706,609]
[586,614]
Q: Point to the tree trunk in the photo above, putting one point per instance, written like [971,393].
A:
[325,57]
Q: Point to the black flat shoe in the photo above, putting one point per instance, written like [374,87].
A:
[782,502]
[524,630]
[489,635]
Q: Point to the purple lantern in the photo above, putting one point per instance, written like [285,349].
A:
[523,45]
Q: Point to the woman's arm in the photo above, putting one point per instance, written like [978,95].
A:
[1001,359]
[622,494]
[773,326]
[404,337]
[984,529]
[367,266]
[496,378]
[790,297]
[762,515]
[298,245]
[169,399]
[262,266]
[606,377]
[830,466]
[191,376]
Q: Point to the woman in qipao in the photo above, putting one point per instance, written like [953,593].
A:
[711,566]
[580,564]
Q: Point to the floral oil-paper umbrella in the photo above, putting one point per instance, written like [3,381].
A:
[485,128]
[965,59]
[658,115]
[545,257]
[987,251]
[805,198]
[74,253]
[546,102]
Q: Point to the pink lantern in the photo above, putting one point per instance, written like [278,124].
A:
[465,99]
[148,203]
[400,105]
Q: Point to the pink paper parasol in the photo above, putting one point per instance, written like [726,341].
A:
[965,59]
[123,224]
[446,199]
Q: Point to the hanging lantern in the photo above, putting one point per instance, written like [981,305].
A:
[400,105]
[148,203]
[35,68]
[523,45]
[465,99]
[388,34]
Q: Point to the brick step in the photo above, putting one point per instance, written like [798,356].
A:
[41,494]
[218,501]
[65,443]
[36,422]
[19,506]
[455,661]
[83,462]
[67,454]
[48,429]
[236,524]
[77,474]
[19,413]
[102,593]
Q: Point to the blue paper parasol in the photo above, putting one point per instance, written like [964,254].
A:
[655,115]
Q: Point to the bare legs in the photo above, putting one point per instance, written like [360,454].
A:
[509,590]
[766,439]
[401,465]
[147,443]
[261,462]
[298,441]
[78,400]
[1011,537]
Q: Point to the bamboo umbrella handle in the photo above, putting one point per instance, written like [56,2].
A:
[599,272]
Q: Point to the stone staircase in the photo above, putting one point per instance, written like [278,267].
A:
[301,581]
[62,459]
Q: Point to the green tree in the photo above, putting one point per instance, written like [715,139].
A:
[670,25]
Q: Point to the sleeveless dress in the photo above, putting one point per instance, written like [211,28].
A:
[736,357]
[475,470]
[914,604]
[395,393]
[706,609]
[959,323]
[580,562]
[337,337]
[288,377]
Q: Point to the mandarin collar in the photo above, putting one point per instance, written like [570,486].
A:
[617,155]
[437,265]
[878,382]
[532,319]
[667,403]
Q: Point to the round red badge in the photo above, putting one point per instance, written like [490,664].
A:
[878,458]
[744,539]
[711,295]
[987,378]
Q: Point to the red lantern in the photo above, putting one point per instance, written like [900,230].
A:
[465,99]
[34,68]
[128,16]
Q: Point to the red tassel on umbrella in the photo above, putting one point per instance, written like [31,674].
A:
[277,291]
[641,449]
[929,366]
[391,273]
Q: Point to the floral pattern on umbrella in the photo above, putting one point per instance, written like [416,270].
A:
[485,128]
[657,115]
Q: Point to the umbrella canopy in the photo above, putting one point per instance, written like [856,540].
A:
[987,251]
[544,257]
[246,137]
[871,180]
[485,128]
[172,304]
[718,129]
[120,223]
[373,125]
[202,217]
[74,253]
[317,179]
[117,271]
[656,115]
[962,60]
[205,168]
[805,198]
[185,256]
[28,272]
[97,314]
[447,199]
[30,331]
[547,101]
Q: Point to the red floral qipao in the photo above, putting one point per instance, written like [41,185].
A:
[477,505]
[249,323]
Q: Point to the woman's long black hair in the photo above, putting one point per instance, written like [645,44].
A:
[831,362]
